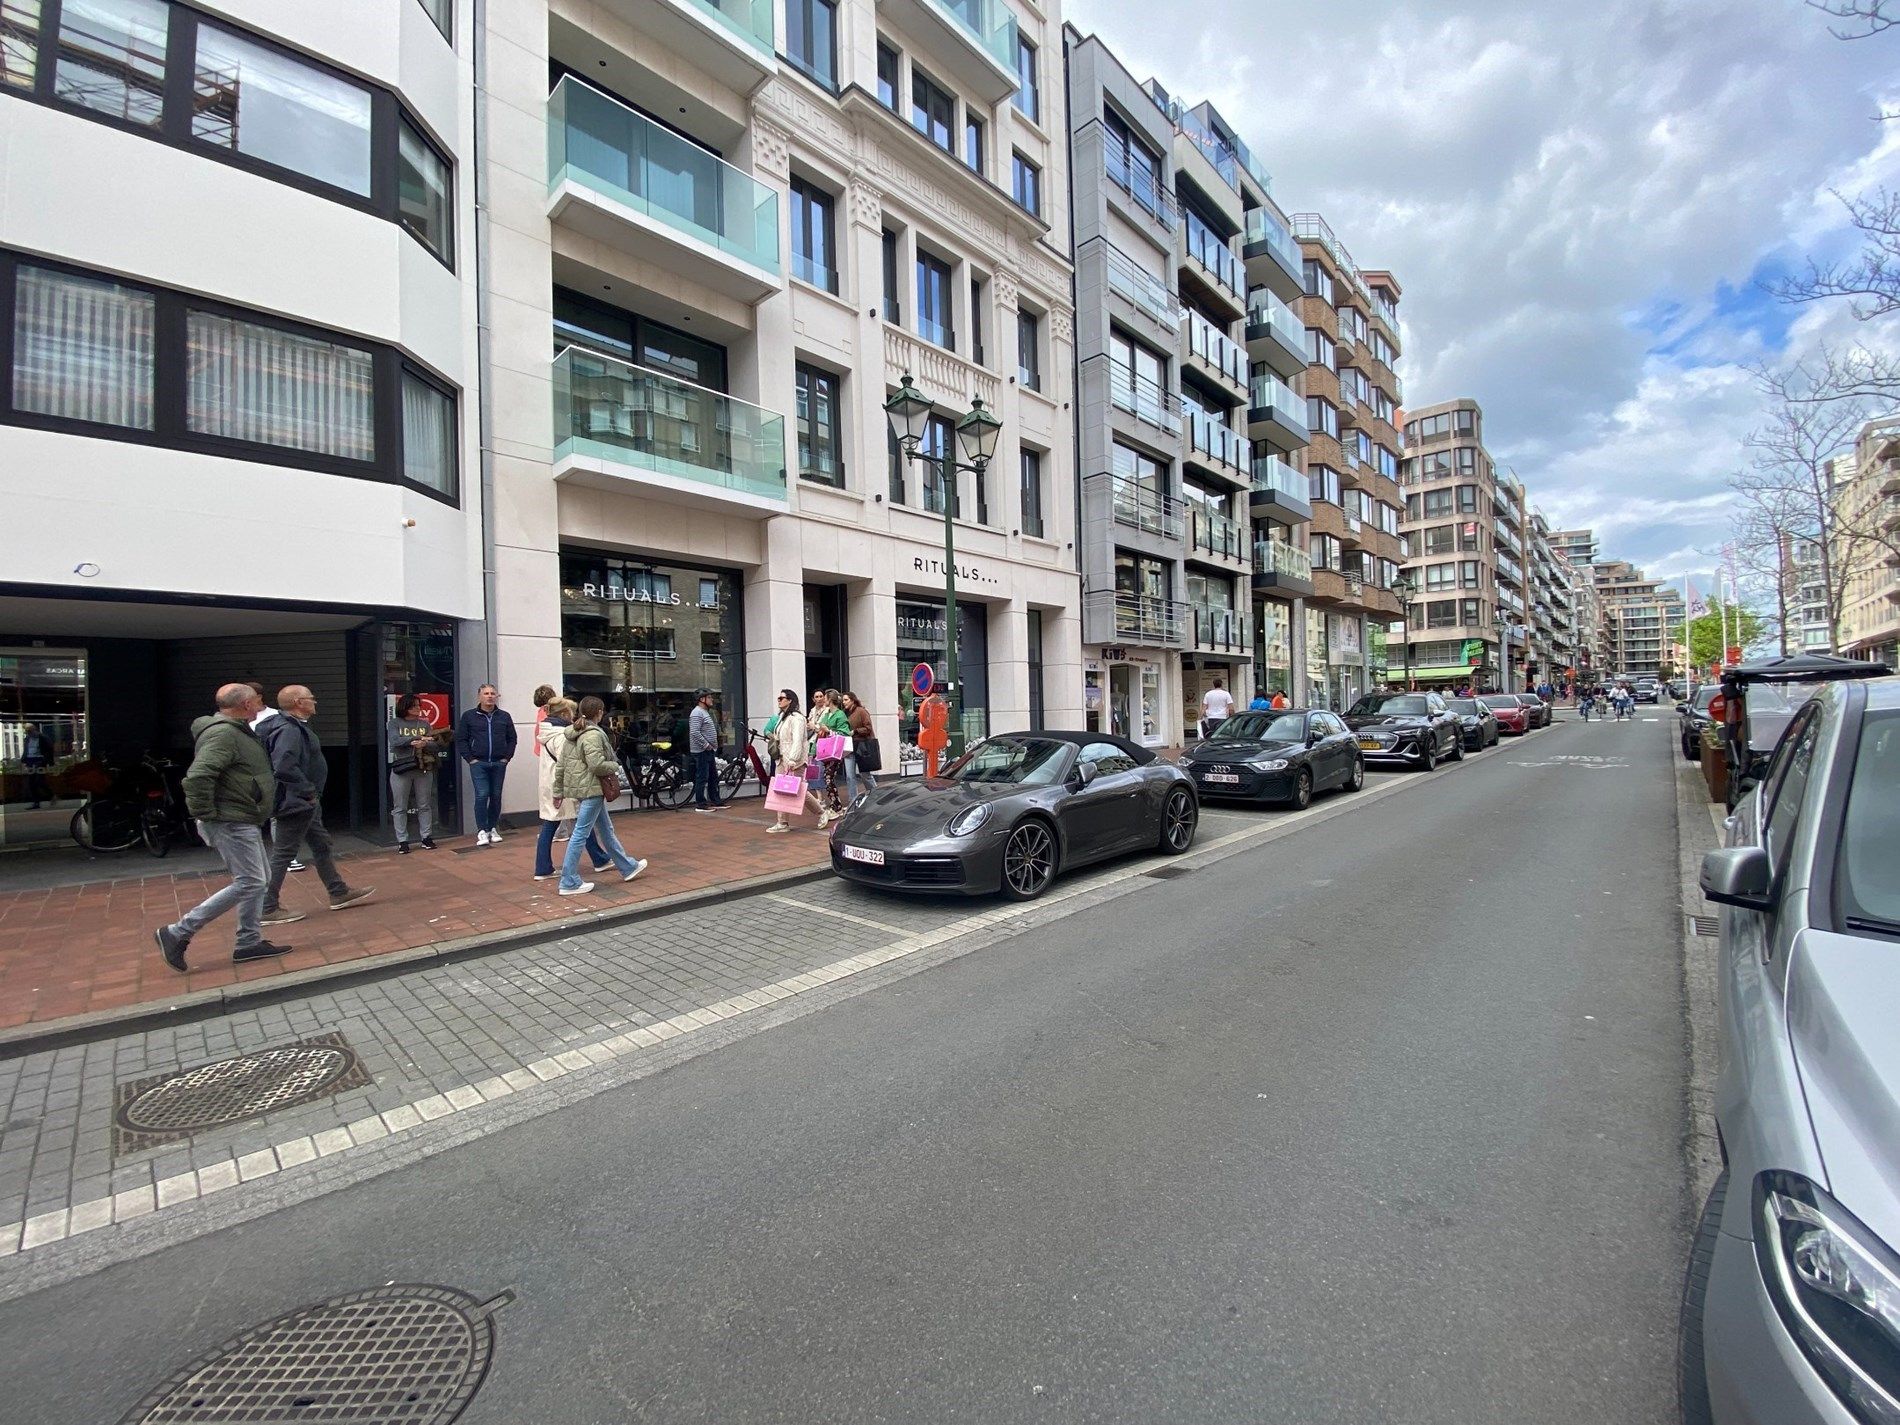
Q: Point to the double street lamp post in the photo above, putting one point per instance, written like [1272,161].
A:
[1406,590]
[909,411]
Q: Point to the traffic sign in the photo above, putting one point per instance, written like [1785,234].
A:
[922,679]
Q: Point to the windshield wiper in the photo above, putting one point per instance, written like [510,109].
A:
[1880,925]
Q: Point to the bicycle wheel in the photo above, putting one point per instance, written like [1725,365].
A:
[155,830]
[671,789]
[732,775]
[105,826]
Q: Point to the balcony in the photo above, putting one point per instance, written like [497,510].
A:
[1137,506]
[1213,535]
[1274,334]
[1110,617]
[1206,256]
[1222,630]
[973,41]
[617,177]
[1890,478]
[1146,401]
[1282,568]
[1273,257]
[1141,288]
[1351,413]
[623,428]
[1213,443]
[1141,183]
[731,41]
[1275,413]
[1280,491]
[1214,353]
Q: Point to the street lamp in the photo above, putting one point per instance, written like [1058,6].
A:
[978,431]
[1406,589]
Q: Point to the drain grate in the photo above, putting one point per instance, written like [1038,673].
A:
[167,1107]
[1708,926]
[1170,873]
[398,1355]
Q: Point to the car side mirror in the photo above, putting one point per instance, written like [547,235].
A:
[1738,876]
[1085,772]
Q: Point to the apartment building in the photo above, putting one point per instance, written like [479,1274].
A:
[1579,548]
[1868,546]
[725,231]
[1804,587]
[1642,620]
[1552,638]
[1351,397]
[238,437]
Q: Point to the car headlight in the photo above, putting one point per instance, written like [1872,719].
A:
[1269,764]
[965,822]
[1837,1288]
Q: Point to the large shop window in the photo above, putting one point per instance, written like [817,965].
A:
[644,635]
[165,70]
[99,357]
[920,639]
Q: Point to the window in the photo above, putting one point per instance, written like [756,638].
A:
[1326,551]
[1322,416]
[811,38]
[1467,499]
[1465,423]
[1036,714]
[935,321]
[938,443]
[1133,165]
[1319,350]
[1032,492]
[1436,504]
[111,58]
[1441,613]
[813,236]
[1438,539]
[278,110]
[1314,280]
[1467,460]
[1470,613]
[1323,483]
[442,12]
[423,202]
[973,141]
[428,434]
[1468,574]
[1028,94]
[893,311]
[933,113]
[1440,577]
[259,383]
[19,43]
[976,320]
[1025,185]
[1028,350]
[896,453]
[82,349]
[1796,759]
[820,440]
[887,76]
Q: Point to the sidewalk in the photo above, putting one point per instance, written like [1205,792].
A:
[87,950]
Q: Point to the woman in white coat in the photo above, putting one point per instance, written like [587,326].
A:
[794,751]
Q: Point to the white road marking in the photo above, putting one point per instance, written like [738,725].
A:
[835,914]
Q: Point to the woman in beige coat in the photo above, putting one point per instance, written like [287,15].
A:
[587,755]
[794,751]
[557,716]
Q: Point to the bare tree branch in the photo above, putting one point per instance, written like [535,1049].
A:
[1866,18]
[1871,281]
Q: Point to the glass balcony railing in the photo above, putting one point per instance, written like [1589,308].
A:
[1264,228]
[1275,556]
[1140,286]
[1210,249]
[1266,310]
[1269,393]
[1134,173]
[1142,507]
[750,20]
[990,23]
[1211,532]
[1270,472]
[1210,436]
[1142,398]
[1139,618]
[1217,349]
[627,415]
[1216,627]
[600,144]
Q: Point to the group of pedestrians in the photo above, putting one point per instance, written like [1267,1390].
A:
[837,723]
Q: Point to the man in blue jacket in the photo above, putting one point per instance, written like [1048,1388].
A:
[485,736]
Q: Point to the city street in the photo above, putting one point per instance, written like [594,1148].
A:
[1381,1118]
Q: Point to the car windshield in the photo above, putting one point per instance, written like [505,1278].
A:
[1499,700]
[1262,727]
[1388,705]
[1870,833]
[1705,695]
[1468,706]
[1026,761]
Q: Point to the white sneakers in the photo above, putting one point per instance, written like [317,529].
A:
[481,838]
[826,817]
[582,889]
[488,838]
[638,867]
[494,837]
[778,826]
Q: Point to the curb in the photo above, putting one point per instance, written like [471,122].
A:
[209,1004]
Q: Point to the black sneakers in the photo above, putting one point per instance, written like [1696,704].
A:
[172,946]
[402,848]
[428,843]
[263,950]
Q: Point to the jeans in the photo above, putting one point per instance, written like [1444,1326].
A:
[487,779]
[592,818]
[706,779]
[241,847]
[544,849]
[289,828]
[407,789]
[852,776]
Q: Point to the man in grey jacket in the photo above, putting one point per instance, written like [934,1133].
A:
[702,737]
[298,762]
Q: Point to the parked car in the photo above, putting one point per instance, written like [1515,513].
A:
[1647,691]
[1678,690]
[1692,715]
[1791,1303]
[1476,720]
[1013,812]
[1277,756]
[1759,700]
[1411,729]
[1537,710]
[1512,716]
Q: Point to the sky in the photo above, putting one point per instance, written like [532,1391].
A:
[1581,203]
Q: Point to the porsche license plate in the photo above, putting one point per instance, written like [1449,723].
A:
[1230,778]
[865,854]
[1369,744]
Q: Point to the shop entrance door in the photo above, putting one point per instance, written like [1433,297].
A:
[44,732]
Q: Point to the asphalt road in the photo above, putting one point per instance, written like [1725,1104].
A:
[1381,1121]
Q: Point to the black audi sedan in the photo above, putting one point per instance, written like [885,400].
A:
[1478,722]
[1411,729]
[1277,756]
[1013,812]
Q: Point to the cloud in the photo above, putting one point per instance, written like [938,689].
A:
[1580,201]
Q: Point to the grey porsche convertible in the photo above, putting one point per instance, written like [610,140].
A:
[1014,811]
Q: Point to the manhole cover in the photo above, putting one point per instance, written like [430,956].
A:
[411,1354]
[166,1107]
[1705,925]
[1169,873]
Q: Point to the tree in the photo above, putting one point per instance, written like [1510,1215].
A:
[1705,632]
[1865,18]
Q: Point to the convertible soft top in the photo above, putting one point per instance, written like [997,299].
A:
[1141,755]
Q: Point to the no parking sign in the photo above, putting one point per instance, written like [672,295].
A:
[922,679]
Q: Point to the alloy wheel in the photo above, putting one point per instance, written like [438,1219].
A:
[1431,755]
[1029,861]
[1358,774]
[1178,819]
[1303,789]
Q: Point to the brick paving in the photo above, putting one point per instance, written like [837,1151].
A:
[83,949]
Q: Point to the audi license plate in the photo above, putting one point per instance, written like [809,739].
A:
[865,854]
[1370,744]
[1231,778]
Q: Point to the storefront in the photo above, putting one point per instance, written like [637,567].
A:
[1124,692]
[1273,649]
[43,736]
[644,635]
[920,639]
[1317,693]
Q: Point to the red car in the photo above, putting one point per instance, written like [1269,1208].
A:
[1513,717]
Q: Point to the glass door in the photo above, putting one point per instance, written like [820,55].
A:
[44,733]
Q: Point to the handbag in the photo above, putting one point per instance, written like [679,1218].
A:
[785,794]
[870,759]
[832,748]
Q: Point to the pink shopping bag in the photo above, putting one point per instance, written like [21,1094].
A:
[832,748]
[786,795]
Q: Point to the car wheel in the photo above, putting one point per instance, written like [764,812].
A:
[1029,861]
[1430,763]
[1302,790]
[1692,1371]
[1358,777]
[1179,818]
[1458,748]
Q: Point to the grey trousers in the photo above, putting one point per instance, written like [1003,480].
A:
[290,829]
[412,789]
[241,847]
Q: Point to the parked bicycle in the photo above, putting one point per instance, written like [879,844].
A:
[143,805]
[653,773]
[744,759]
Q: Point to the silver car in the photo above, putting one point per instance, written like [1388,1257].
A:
[1791,1311]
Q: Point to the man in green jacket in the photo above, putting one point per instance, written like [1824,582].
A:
[230,791]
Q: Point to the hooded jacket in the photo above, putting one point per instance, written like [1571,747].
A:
[230,777]
[585,753]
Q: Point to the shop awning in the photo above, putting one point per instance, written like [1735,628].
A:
[1443,670]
